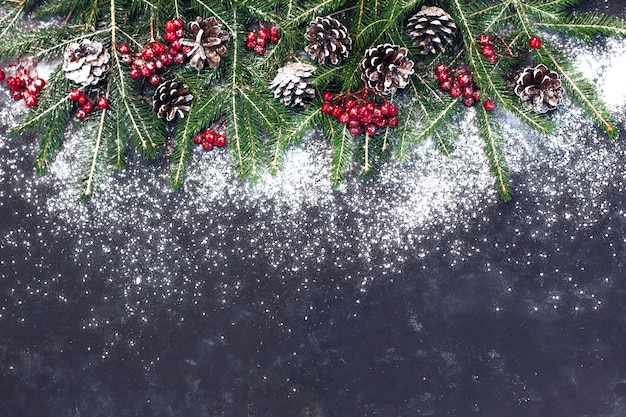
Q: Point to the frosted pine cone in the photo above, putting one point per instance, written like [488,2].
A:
[539,88]
[171,99]
[386,68]
[86,63]
[292,85]
[209,45]
[329,40]
[431,29]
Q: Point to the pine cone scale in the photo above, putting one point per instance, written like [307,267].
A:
[386,68]
[86,63]
[329,40]
[431,29]
[292,85]
[539,88]
[171,99]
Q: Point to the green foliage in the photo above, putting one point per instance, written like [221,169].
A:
[259,128]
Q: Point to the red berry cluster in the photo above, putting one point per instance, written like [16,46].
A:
[487,49]
[359,113]
[257,41]
[86,105]
[458,83]
[24,84]
[212,137]
[155,55]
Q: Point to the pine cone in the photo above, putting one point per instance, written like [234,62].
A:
[539,88]
[171,99]
[209,43]
[328,39]
[386,68]
[431,29]
[86,63]
[292,85]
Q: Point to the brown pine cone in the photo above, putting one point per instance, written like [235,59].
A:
[171,99]
[292,85]
[539,88]
[86,63]
[209,44]
[386,68]
[431,29]
[329,40]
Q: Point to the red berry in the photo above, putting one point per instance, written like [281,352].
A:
[169,26]
[327,108]
[263,33]
[82,99]
[81,114]
[337,111]
[3,75]
[468,91]
[476,95]
[147,53]
[166,59]
[370,106]
[145,71]
[139,63]
[14,82]
[259,50]
[445,86]
[17,93]
[158,48]
[154,80]
[87,107]
[274,39]
[75,94]
[261,41]
[327,97]
[353,113]
[439,68]
[179,58]
[468,101]
[273,31]
[487,51]
[32,89]
[250,44]
[187,50]
[366,118]
[354,123]
[393,110]
[220,140]
[484,39]
[371,129]
[534,42]
[103,103]
[493,59]
[207,145]
[158,64]
[30,100]
[198,138]
[380,121]
[123,48]
[455,91]
[384,107]
[134,73]
[251,37]
[355,131]
[178,24]
[175,47]
[489,105]
[377,113]
[464,80]
[344,118]
[349,103]
[180,33]
[443,76]
[170,36]
[393,121]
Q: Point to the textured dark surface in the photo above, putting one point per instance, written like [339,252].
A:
[417,294]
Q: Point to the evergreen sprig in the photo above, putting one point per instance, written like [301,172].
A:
[259,128]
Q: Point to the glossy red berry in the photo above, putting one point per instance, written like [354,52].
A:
[445,86]
[261,42]
[220,140]
[32,89]
[170,36]
[534,42]
[439,68]
[82,99]
[274,39]
[273,31]
[327,108]
[493,59]
[207,145]
[39,83]
[464,80]
[489,105]
[154,80]
[393,121]
[353,113]
[371,129]
[393,110]
[455,91]
[259,50]
[81,114]
[180,33]
[123,49]
[468,101]
[87,107]
[30,100]
[337,111]
[169,26]
[251,37]
[487,51]
[327,97]
[263,33]
[198,138]
[468,91]
[134,73]
[147,53]
[3,75]
[355,130]
[178,24]
[179,58]
[17,93]
[14,82]
[349,103]
[344,118]
[103,103]
[158,48]
[484,39]
[75,94]
[166,59]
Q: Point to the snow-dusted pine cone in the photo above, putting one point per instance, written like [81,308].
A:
[386,68]
[328,40]
[86,63]
[431,29]
[209,43]
[292,85]
[171,99]
[539,88]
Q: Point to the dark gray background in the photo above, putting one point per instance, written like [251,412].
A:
[416,294]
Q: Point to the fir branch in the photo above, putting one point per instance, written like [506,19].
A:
[587,26]
[8,21]
[490,132]
[41,42]
[309,10]
[579,88]
[343,146]
[97,155]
